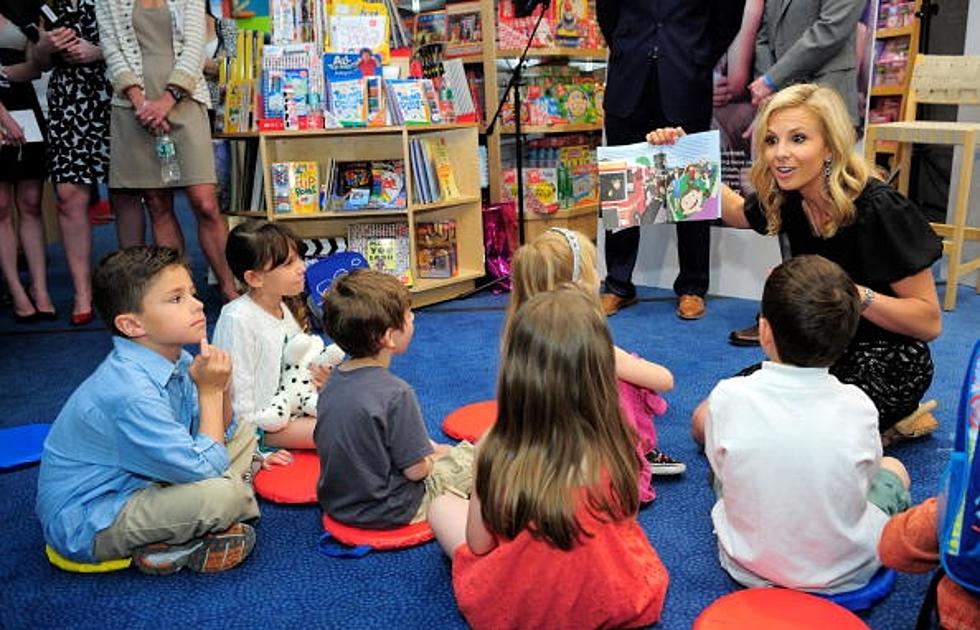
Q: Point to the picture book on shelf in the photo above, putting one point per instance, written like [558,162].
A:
[408,96]
[339,66]
[435,249]
[348,102]
[644,183]
[464,29]
[442,165]
[388,184]
[384,245]
[295,187]
[430,28]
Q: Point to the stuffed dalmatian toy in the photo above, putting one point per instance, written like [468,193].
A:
[297,396]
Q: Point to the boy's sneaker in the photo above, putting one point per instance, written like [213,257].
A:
[209,554]
[664,465]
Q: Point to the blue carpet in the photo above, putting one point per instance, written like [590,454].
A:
[452,361]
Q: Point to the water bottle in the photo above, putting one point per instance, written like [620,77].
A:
[166,152]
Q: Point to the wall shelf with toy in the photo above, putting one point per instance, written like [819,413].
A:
[561,112]
[895,46]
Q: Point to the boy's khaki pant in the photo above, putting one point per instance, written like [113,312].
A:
[177,513]
[452,473]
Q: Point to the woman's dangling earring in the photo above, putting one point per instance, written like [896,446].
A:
[826,169]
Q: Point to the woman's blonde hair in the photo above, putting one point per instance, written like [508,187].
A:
[849,171]
[549,261]
[560,436]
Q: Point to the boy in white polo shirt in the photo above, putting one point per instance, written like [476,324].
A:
[803,489]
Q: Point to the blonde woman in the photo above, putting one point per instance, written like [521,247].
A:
[816,188]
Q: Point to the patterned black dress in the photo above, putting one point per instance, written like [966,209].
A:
[78,107]
[24,162]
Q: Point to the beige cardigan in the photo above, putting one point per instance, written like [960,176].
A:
[124,61]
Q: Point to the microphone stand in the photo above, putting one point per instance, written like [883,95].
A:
[516,80]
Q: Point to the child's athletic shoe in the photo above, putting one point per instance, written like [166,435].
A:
[209,554]
[664,465]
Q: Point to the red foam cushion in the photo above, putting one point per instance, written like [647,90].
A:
[471,421]
[293,483]
[775,608]
[399,538]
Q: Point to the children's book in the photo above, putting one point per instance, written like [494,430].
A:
[430,28]
[384,245]
[464,29]
[435,249]
[571,22]
[644,183]
[408,96]
[442,166]
[295,187]
[348,102]
[540,188]
[353,185]
[388,184]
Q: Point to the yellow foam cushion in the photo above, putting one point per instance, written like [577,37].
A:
[106,566]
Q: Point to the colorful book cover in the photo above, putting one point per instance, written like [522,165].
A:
[410,100]
[296,91]
[388,184]
[540,188]
[343,66]
[430,28]
[644,183]
[281,188]
[443,167]
[304,187]
[464,29]
[435,249]
[348,102]
[384,245]
[432,101]
[354,185]
[571,22]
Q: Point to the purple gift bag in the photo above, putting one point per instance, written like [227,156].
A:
[500,240]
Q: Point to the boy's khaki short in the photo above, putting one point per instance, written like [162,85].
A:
[452,473]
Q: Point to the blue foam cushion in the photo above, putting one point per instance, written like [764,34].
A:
[881,585]
[22,444]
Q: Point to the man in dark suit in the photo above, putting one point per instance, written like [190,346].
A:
[661,56]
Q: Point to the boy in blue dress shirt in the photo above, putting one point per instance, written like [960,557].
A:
[145,459]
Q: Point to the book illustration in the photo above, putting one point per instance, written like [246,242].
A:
[540,188]
[430,28]
[354,185]
[464,30]
[384,245]
[280,188]
[348,102]
[388,184]
[435,249]
[571,22]
[353,33]
[296,90]
[442,165]
[643,183]
[342,66]
[409,96]
[304,187]
[432,101]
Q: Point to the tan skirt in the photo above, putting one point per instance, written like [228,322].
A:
[133,162]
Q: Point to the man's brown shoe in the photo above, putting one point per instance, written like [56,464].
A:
[690,307]
[748,336]
[611,303]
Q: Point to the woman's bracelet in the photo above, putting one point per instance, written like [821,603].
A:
[867,298]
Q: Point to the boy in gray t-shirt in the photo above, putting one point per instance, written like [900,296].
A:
[378,467]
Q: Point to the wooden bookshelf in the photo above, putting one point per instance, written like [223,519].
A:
[583,217]
[388,143]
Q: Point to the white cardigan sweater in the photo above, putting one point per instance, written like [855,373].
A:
[124,62]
